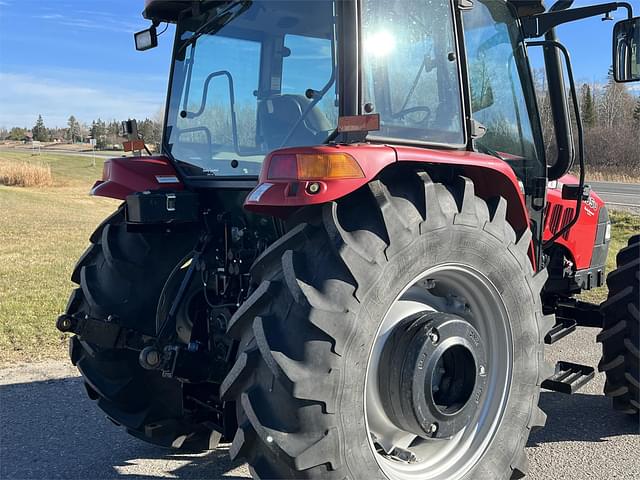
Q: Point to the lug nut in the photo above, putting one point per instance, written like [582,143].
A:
[482,370]
[433,428]
[434,337]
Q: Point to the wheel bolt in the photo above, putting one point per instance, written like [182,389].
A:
[433,428]
[482,370]
[434,337]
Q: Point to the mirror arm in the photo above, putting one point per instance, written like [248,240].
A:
[576,110]
[537,26]
[559,109]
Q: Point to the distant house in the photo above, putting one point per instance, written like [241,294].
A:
[28,137]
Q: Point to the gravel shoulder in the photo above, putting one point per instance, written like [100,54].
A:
[50,429]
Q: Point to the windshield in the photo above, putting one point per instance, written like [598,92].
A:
[250,77]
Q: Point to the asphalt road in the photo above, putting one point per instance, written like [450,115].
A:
[70,153]
[618,194]
[49,429]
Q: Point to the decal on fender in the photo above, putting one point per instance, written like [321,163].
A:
[590,206]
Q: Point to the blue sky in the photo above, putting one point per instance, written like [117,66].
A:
[63,57]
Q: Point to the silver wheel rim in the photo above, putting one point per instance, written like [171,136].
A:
[461,290]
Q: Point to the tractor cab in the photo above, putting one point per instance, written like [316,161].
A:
[252,77]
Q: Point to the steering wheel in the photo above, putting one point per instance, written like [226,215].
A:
[408,111]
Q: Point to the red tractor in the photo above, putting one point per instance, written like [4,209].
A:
[351,250]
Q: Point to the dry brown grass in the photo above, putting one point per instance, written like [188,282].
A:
[612,176]
[23,174]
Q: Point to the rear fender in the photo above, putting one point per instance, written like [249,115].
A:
[126,175]
[491,176]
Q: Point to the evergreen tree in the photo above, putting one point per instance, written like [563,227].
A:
[74,129]
[39,131]
[587,106]
[99,132]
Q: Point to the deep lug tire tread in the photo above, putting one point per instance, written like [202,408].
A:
[120,277]
[620,336]
[295,327]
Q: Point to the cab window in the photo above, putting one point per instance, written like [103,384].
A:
[410,68]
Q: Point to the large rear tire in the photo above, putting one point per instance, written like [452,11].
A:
[120,278]
[308,381]
[620,336]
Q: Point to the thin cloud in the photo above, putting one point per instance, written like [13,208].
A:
[50,16]
[24,96]
[105,21]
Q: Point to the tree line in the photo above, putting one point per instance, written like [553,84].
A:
[611,120]
[106,133]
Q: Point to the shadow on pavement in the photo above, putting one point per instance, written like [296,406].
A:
[581,417]
[51,430]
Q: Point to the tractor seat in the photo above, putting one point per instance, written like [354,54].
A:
[278,114]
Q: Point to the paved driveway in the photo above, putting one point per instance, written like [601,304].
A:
[49,429]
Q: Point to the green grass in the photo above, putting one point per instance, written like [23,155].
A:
[43,231]
[623,226]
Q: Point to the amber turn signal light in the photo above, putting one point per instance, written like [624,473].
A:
[314,166]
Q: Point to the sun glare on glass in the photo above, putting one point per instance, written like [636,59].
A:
[380,44]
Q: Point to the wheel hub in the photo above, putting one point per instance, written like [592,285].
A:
[433,372]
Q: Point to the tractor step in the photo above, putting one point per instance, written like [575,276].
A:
[564,327]
[569,377]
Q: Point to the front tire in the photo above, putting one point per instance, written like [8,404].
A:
[620,336]
[310,332]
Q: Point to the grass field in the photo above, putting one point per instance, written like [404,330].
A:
[43,230]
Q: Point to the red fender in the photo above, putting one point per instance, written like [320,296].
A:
[491,177]
[126,175]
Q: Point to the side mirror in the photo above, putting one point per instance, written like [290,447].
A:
[129,129]
[146,39]
[626,50]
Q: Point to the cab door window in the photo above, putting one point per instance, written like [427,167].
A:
[502,97]
[410,70]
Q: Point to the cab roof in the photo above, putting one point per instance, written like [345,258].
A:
[169,10]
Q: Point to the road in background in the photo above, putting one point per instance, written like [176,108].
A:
[70,153]
[624,196]
[618,194]
[50,429]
